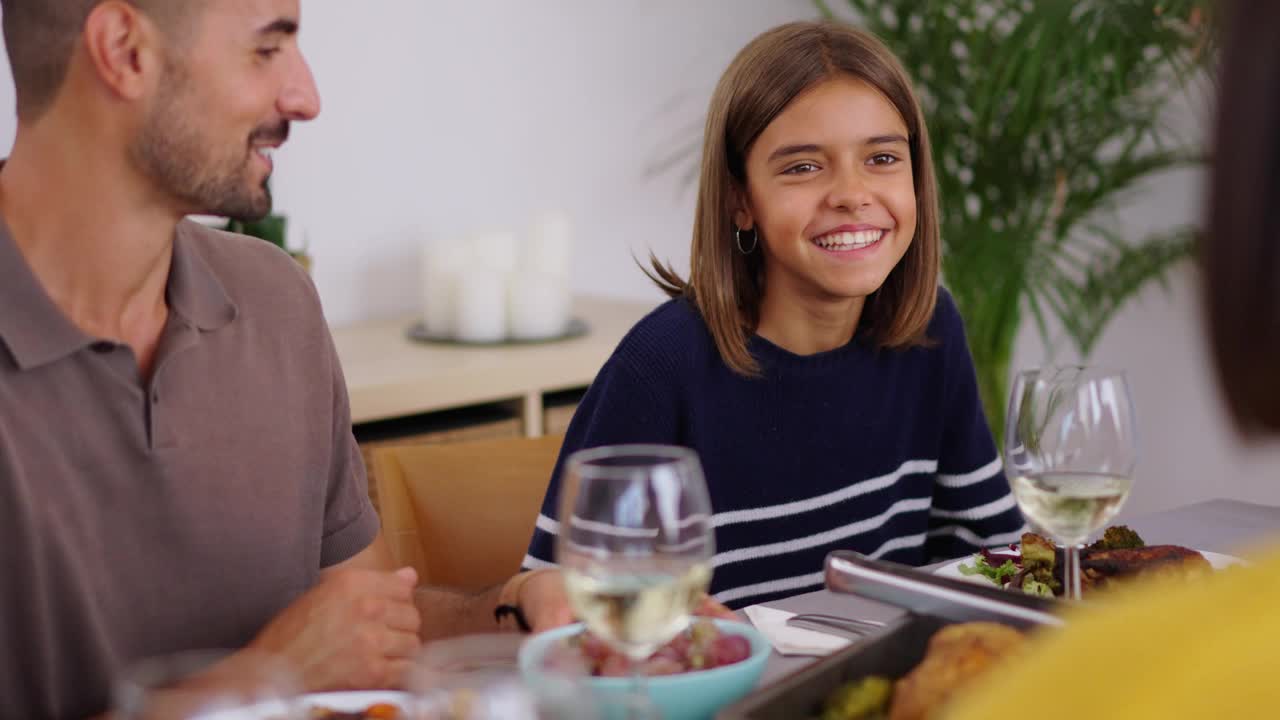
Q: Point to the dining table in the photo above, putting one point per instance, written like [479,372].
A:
[1223,526]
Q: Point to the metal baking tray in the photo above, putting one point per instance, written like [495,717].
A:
[933,602]
[924,593]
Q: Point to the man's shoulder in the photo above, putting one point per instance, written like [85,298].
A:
[250,269]
[241,254]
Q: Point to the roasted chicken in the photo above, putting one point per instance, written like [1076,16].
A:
[1120,554]
[956,654]
[1102,566]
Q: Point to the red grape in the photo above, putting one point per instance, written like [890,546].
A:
[729,649]
[701,647]
[656,666]
[614,666]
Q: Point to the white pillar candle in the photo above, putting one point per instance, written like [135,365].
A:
[495,251]
[437,304]
[537,305]
[480,308]
[441,262]
[550,246]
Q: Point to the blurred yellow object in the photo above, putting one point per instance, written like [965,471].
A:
[462,513]
[1165,649]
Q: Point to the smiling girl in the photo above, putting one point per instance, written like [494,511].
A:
[810,358]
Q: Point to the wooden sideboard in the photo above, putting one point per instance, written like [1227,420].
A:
[405,392]
[389,376]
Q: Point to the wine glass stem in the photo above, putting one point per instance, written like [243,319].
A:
[639,707]
[1071,572]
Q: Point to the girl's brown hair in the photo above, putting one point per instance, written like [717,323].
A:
[770,72]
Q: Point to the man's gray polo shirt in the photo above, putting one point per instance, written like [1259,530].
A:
[140,520]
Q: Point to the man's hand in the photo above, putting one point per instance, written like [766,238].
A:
[708,607]
[356,629]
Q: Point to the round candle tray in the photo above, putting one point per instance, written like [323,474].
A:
[576,327]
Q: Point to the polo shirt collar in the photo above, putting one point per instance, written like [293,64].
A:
[194,291]
[31,325]
[36,331]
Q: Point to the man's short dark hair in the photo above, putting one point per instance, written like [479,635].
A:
[40,37]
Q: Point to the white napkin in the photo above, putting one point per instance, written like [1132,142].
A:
[792,640]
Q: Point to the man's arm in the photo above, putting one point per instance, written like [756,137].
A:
[443,612]
[448,612]
[356,629]
[539,594]
[377,556]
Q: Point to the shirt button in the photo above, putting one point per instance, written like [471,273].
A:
[155,398]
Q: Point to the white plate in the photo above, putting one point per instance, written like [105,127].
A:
[340,701]
[952,569]
[355,701]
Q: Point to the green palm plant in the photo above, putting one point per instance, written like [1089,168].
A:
[1044,115]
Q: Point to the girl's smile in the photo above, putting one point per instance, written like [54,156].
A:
[851,241]
[831,196]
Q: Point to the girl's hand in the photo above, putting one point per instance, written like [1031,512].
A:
[710,608]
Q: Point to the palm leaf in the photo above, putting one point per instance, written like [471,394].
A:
[1089,300]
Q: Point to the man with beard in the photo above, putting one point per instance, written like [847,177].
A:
[177,468]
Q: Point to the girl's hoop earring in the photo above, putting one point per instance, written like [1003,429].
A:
[737,239]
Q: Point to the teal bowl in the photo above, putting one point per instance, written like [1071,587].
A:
[693,695]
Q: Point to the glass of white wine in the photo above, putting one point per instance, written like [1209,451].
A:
[1071,446]
[635,546]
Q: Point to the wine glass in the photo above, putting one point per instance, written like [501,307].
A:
[635,546]
[207,684]
[1071,445]
[475,677]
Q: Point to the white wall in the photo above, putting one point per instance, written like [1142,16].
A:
[445,118]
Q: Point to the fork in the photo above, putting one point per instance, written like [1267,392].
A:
[828,623]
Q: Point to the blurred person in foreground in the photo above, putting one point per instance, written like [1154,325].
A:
[1205,650]
[177,468]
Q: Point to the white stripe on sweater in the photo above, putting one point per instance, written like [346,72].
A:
[823,538]
[986,472]
[995,507]
[976,540]
[552,526]
[910,467]
[599,528]
[733,517]
[773,586]
[534,563]
[800,581]
[547,525]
